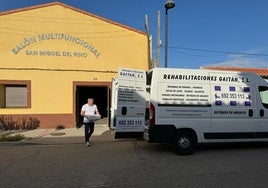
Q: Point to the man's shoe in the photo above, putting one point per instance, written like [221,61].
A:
[88,144]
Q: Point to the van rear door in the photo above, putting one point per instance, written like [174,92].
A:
[131,103]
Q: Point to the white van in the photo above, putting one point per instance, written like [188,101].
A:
[202,106]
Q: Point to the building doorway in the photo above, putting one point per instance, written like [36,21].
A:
[101,97]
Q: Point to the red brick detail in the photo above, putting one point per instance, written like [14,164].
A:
[49,120]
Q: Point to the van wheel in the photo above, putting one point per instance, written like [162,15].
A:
[184,143]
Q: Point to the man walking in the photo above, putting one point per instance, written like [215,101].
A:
[89,112]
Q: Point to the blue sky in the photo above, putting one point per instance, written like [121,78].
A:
[196,28]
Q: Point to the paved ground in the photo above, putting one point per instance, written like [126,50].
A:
[131,163]
[68,132]
[101,133]
[59,158]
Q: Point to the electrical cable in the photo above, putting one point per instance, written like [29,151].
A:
[217,51]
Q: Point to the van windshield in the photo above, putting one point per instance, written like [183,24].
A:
[264,95]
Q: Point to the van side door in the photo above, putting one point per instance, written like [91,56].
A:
[234,114]
[262,112]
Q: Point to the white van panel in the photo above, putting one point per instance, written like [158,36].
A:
[183,94]
[171,113]
[131,101]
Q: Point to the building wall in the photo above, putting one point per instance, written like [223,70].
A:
[51,46]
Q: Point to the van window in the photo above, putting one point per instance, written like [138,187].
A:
[149,81]
[264,95]
[149,78]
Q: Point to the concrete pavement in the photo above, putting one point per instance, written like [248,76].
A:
[67,132]
[102,133]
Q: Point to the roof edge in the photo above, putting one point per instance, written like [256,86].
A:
[259,71]
[230,67]
[72,8]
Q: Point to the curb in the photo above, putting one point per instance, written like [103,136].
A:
[15,143]
[47,141]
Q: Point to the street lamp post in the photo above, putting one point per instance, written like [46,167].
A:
[168,5]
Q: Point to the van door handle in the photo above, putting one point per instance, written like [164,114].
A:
[261,112]
[250,113]
[124,110]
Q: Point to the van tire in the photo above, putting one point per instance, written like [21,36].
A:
[185,142]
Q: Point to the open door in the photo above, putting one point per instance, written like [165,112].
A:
[130,92]
[100,94]
[78,117]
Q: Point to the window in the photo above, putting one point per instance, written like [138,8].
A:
[149,76]
[264,95]
[149,81]
[14,94]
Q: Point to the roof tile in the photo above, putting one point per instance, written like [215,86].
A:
[260,71]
